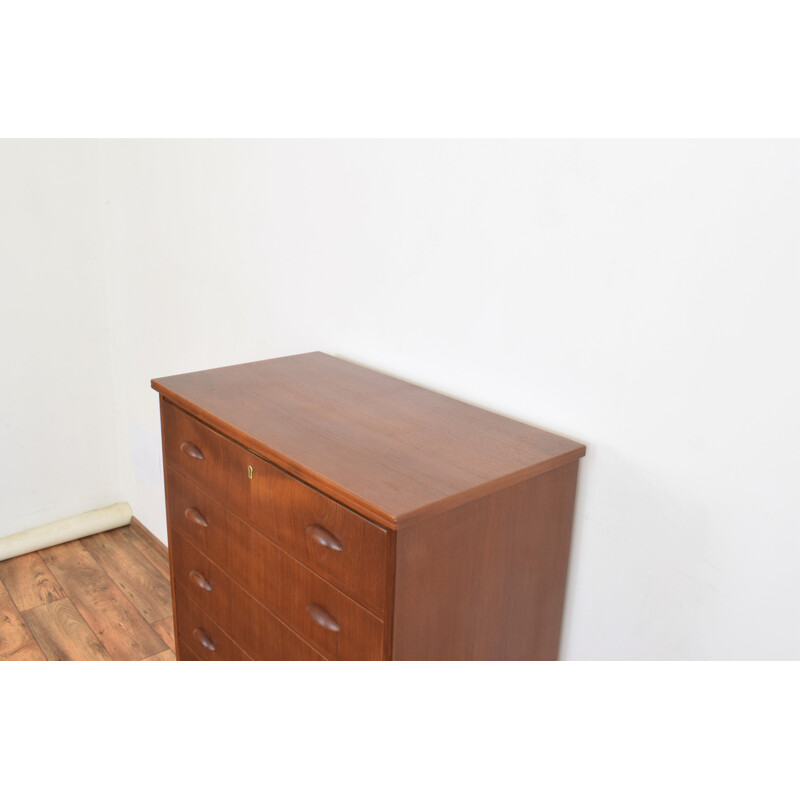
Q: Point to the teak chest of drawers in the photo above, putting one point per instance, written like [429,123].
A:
[320,510]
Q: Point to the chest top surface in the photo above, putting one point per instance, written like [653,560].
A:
[392,450]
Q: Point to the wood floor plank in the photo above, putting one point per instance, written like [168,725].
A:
[125,634]
[63,634]
[166,630]
[149,538]
[164,655]
[16,640]
[137,578]
[156,556]
[29,582]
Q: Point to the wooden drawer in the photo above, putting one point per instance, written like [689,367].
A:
[187,654]
[256,629]
[334,541]
[308,604]
[196,627]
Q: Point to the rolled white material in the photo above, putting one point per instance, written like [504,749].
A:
[65,530]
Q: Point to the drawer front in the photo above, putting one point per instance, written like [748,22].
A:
[186,652]
[207,640]
[326,618]
[334,541]
[256,629]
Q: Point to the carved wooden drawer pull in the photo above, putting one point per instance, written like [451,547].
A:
[200,580]
[192,450]
[322,617]
[323,537]
[204,639]
[193,515]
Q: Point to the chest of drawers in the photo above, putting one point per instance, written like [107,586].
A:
[320,510]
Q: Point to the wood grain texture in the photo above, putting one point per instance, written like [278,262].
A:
[63,634]
[16,640]
[280,507]
[196,625]
[186,652]
[390,573]
[134,574]
[486,581]
[148,538]
[256,629]
[34,587]
[119,626]
[286,588]
[168,503]
[29,582]
[166,630]
[160,562]
[391,450]
[164,655]
[257,563]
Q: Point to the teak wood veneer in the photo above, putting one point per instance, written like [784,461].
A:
[321,510]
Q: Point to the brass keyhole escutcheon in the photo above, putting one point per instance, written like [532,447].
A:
[250,473]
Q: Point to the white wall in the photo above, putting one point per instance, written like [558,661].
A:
[59,453]
[637,296]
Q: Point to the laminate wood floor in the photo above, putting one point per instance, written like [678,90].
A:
[102,598]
